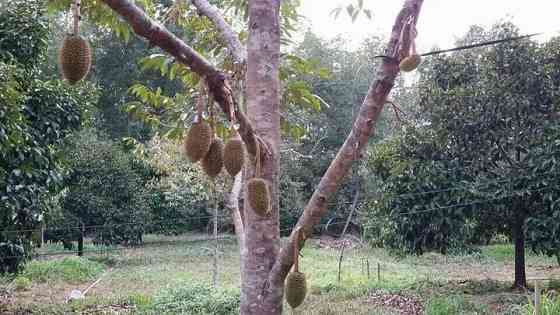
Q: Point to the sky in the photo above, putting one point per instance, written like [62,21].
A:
[441,21]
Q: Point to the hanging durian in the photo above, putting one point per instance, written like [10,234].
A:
[213,162]
[259,196]
[198,140]
[410,63]
[234,155]
[295,288]
[412,59]
[75,53]
[257,189]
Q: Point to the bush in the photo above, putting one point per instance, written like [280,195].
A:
[11,256]
[70,269]
[106,189]
[22,283]
[550,305]
[199,299]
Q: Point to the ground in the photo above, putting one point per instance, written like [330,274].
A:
[133,280]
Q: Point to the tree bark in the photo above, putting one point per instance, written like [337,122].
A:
[519,242]
[235,47]
[81,240]
[262,234]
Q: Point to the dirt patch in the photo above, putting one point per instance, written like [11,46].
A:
[401,304]
[329,242]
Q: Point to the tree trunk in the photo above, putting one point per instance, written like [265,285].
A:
[519,241]
[81,241]
[262,242]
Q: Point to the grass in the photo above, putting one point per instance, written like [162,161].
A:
[68,269]
[453,305]
[146,278]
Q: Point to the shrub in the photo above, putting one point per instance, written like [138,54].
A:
[70,269]
[22,283]
[106,188]
[197,298]
[550,305]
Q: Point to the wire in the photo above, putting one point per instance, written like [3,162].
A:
[457,187]
[151,223]
[104,250]
[488,43]
[468,204]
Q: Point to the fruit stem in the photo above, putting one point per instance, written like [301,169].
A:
[77,17]
[296,250]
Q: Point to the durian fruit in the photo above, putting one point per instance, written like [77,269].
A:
[74,58]
[234,156]
[198,141]
[295,288]
[213,162]
[259,196]
[410,63]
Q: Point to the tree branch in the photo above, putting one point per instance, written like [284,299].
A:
[236,49]
[158,35]
[232,202]
[356,141]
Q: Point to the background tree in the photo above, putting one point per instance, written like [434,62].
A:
[106,188]
[489,110]
[36,116]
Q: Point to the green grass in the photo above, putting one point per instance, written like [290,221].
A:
[453,305]
[550,305]
[144,278]
[68,269]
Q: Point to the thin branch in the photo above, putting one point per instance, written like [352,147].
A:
[356,141]
[238,52]
[233,203]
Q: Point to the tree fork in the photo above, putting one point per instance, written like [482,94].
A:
[356,141]
[158,35]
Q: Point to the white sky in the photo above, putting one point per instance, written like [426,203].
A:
[441,21]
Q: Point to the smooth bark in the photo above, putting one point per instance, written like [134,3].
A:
[235,47]
[262,234]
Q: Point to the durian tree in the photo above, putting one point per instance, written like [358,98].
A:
[492,137]
[254,72]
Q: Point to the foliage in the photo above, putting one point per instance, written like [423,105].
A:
[106,188]
[452,305]
[354,9]
[69,269]
[487,148]
[180,194]
[550,304]
[412,162]
[22,283]
[23,33]
[196,298]
[11,256]
[36,116]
